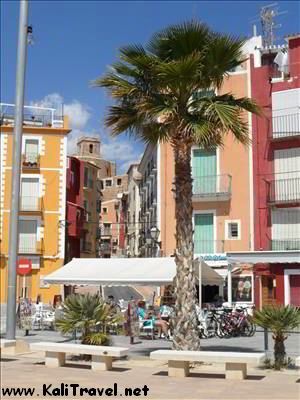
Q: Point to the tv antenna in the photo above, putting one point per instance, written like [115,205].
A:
[267,17]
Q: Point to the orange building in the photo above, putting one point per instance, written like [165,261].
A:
[222,195]
[42,197]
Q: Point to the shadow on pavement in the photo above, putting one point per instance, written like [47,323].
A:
[212,376]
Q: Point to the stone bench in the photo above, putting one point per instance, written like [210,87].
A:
[4,343]
[102,356]
[235,363]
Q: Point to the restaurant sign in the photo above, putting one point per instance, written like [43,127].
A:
[215,260]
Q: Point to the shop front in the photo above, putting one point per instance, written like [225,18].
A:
[276,276]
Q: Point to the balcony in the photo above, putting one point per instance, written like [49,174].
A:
[209,246]
[283,191]
[285,126]
[105,248]
[285,244]
[211,188]
[33,116]
[30,245]
[106,231]
[31,205]
[31,162]
[86,247]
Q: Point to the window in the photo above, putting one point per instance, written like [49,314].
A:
[242,288]
[85,205]
[72,178]
[98,205]
[108,183]
[233,230]
[119,182]
[91,148]
[31,150]
[86,177]
[104,210]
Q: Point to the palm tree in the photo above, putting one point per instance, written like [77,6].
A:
[167,91]
[279,320]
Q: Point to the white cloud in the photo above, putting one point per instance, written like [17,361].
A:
[123,153]
[78,113]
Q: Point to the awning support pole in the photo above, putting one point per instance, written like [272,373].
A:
[200,284]
[229,285]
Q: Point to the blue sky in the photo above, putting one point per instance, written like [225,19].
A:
[75,41]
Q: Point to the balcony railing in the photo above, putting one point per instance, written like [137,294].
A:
[106,231]
[209,246]
[30,245]
[33,116]
[283,191]
[31,204]
[86,247]
[214,187]
[31,161]
[285,244]
[105,247]
[285,126]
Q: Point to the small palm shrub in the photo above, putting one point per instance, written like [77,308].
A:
[90,315]
[279,320]
[96,339]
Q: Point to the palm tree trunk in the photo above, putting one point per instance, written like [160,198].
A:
[186,335]
[279,352]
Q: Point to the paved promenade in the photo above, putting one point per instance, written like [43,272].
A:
[205,382]
[252,344]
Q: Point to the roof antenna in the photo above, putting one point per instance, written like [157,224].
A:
[268,25]
[266,18]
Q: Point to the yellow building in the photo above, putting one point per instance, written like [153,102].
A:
[42,198]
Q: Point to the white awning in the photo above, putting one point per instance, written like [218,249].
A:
[126,271]
[264,257]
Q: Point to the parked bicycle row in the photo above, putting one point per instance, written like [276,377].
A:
[225,322]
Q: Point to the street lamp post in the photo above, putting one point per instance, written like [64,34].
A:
[154,234]
[16,166]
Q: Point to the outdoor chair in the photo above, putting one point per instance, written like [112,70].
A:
[149,329]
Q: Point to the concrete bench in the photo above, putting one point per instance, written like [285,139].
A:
[235,363]
[4,343]
[102,356]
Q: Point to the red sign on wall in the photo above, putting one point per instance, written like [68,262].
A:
[24,266]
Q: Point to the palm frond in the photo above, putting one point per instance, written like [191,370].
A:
[278,319]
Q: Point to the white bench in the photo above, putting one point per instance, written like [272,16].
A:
[4,343]
[55,353]
[235,363]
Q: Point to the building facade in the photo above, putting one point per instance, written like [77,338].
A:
[133,211]
[91,168]
[222,197]
[42,198]
[113,219]
[275,84]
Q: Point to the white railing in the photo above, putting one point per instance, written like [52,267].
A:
[33,116]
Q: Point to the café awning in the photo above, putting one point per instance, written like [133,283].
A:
[126,271]
[264,257]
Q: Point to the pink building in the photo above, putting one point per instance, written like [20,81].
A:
[275,84]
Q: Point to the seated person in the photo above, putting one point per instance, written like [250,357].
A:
[162,325]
